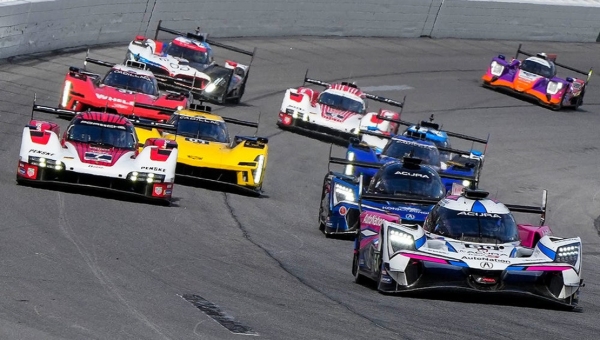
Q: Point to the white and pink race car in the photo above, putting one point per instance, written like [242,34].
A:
[339,111]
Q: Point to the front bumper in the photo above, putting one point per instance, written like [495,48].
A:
[421,275]
[32,174]
[287,122]
[239,179]
[552,102]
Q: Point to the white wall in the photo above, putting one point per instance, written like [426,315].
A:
[30,26]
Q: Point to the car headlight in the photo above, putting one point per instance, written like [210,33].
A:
[65,95]
[349,170]
[400,240]
[135,176]
[257,173]
[496,68]
[342,193]
[553,87]
[43,162]
[210,88]
[466,183]
[568,254]
[443,166]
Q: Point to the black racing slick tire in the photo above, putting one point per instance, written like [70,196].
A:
[358,277]
[326,183]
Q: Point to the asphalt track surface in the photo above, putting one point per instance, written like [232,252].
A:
[82,266]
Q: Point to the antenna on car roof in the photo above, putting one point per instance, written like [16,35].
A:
[34,100]
[257,124]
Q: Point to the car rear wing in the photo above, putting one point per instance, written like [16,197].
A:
[71,113]
[512,207]
[552,57]
[129,63]
[435,126]
[202,37]
[367,95]
[541,210]
[421,136]
[199,108]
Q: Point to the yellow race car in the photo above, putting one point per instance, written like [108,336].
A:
[206,151]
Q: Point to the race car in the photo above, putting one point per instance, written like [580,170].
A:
[429,131]
[535,77]
[467,165]
[116,92]
[187,63]
[206,151]
[469,242]
[97,150]
[339,111]
[339,210]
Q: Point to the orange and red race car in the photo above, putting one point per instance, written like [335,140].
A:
[535,77]
[116,92]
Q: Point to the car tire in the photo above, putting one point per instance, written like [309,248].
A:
[326,181]
[580,99]
[358,277]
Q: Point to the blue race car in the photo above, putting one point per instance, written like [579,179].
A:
[432,132]
[339,211]
[441,139]
[463,171]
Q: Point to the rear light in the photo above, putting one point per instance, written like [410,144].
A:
[296,97]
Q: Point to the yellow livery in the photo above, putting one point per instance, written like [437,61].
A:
[206,151]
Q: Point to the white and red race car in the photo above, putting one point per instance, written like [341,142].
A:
[187,62]
[97,150]
[339,111]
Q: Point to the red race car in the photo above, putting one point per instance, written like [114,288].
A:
[116,92]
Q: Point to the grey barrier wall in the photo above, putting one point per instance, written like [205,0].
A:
[32,26]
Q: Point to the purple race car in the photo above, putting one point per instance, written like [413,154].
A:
[535,77]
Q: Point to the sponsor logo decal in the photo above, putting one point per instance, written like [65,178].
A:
[477,258]
[158,190]
[31,172]
[486,265]
[475,214]
[409,216]
[98,157]
[343,211]
[373,219]
[400,208]
[153,168]
[481,247]
[411,174]
[110,126]
[113,99]
[40,152]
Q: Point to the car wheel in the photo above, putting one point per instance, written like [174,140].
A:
[324,207]
[379,259]
[358,277]
[579,100]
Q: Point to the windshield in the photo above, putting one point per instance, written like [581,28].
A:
[534,67]
[398,181]
[191,55]
[202,128]
[118,136]
[399,148]
[130,81]
[341,103]
[475,227]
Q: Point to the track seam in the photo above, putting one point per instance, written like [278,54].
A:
[247,236]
